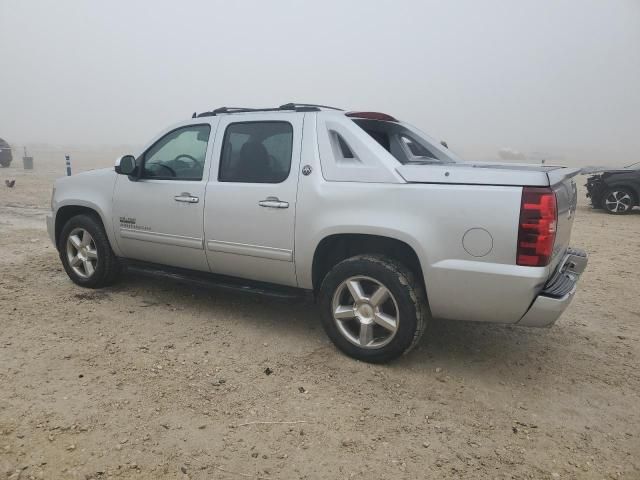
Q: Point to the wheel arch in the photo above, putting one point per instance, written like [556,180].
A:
[334,248]
[66,212]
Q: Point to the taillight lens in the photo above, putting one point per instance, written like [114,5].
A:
[537,229]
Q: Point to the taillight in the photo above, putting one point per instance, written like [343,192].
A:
[537,229]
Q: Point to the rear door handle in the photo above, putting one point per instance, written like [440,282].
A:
[273,202]
[186,197]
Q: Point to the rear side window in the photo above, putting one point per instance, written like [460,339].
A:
[256,152]
[344,148]
[341,150]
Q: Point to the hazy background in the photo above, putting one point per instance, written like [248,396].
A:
[553,78]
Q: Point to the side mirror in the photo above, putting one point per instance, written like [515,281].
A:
[126,165]
[444,144]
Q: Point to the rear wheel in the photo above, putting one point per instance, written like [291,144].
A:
[373,308]
[618,200]
[86,254]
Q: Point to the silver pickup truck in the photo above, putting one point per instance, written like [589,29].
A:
[386,227]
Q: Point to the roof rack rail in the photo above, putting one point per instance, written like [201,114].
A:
[293,105]
[219,110]
[296,107]
[236,110]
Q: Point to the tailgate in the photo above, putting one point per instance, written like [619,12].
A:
[563,183]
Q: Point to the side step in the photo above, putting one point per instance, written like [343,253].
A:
[218,282]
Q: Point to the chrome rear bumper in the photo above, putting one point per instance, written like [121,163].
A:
[558,292]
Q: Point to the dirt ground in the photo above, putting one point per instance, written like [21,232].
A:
[151,379]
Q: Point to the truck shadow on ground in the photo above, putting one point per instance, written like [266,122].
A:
[299,320]
[473,342]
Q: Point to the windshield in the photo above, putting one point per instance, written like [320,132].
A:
[407,145]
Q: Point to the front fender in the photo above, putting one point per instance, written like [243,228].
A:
[625,184]
[104,217]
[92,190]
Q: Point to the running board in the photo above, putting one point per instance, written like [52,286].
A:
[218,282]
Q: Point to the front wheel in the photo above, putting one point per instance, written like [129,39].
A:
[618,200]
[373,308]
[86,254]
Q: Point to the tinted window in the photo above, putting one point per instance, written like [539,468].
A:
[344,148]
[414,148]
[341,150]
[256,152]
[179,155]
[402,143]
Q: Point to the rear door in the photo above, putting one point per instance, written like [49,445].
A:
[251,197]
[159,217]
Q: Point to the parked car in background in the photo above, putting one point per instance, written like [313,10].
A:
[615,191]
[5,154]
[381,224]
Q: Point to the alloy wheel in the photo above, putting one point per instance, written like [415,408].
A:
[82,253]
[618,201]
[365,312]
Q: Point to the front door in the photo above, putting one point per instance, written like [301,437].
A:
[251,197]
[158,217]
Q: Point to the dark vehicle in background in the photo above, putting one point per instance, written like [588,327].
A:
[5,154]
[615,191]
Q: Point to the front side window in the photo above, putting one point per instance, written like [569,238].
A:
[256,152]
[179,155]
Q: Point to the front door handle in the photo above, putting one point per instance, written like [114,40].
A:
[273,202]
[186,197]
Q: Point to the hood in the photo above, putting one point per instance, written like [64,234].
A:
[100,172]
[596,170]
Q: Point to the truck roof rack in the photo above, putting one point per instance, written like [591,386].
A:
[295,107]
[292,106]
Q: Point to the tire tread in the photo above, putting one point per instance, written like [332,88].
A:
[111,265]
[407,281]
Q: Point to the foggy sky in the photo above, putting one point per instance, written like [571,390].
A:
[553,76]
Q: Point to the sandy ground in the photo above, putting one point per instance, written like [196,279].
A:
[151,379]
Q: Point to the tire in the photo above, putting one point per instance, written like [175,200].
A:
[618,200]
[367,320]
[77,252]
